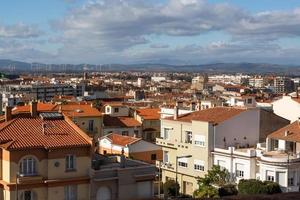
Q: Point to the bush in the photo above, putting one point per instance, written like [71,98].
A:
[253,186]
[228,190]
[206,192]
[272,187]
[171,188]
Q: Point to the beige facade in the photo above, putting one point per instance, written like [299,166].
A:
[91,125]
[51,177]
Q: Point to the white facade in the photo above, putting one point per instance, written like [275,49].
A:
[169,112]
[287,108]
[116,111]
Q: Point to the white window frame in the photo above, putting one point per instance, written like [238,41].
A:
[199,165]
[183,162]
[70,163]
[166,133]
[28,166]
[166,155]
[188,136]
[199,140]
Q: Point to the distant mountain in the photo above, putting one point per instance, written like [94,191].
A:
[255,68]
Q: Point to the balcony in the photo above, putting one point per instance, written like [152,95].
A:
[279,157]
[165,143]
[30,179]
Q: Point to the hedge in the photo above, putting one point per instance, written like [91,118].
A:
[253,186]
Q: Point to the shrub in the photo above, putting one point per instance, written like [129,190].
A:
[206,192]
[253,186]
[228,190]
[171,188]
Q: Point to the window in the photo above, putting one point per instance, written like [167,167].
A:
[91,125]
[28,195]
[270,176]
[153,156]
[222,164]
[125,133]
[71,192]
[28,167]
[249,101]
[239,172]
[70,162]
[107,109]
[198,165]
[183,162]
[188,137]
[116,110]
[166,133]
[136,133]
[199,140]
[166,156]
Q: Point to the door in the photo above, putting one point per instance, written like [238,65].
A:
[103,193]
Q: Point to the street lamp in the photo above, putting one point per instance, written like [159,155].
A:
[176,172]
[18,175]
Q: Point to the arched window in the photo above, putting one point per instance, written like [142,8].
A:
[28,166]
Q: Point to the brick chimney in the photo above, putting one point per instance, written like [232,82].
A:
[8,113]
[33,109]
[176,110]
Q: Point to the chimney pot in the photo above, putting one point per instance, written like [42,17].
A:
[8,113]
[33,109]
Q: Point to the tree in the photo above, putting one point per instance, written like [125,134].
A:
[171,188]
[216,177]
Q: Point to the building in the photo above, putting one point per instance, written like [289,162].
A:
[257,82]
[135,148]
[84,115]
[188,140]
[277,160]
[43,156]
[115,177]
[283,85]
[199,82]
[243,101]
[287,107]
[150,120]
[141,82]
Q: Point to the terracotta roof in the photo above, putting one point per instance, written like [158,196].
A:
[296,99]
[120,121]
[293,132]
[71,109]
[25,132]
[42,107]
[213,115]
[121,139]
[149,113]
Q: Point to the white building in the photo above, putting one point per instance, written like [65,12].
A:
[287,107]
[277,160]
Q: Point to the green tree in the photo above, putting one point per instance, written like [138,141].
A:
[171,188]
[216,177]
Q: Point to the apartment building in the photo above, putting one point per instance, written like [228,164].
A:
[283,85]
[43,156]
[188,140]
[150,120]
[199,82]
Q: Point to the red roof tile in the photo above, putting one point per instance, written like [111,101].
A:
[26,132]
[149,113]
[120,121]
[293,132]
[121,139]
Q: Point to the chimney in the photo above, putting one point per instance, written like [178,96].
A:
[33,109]
[8,114]
[122,159]
[176,112]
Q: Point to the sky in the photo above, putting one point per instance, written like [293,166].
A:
[156,31]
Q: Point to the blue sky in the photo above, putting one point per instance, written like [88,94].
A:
[136,31]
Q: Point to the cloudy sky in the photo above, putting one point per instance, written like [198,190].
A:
[161,31]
